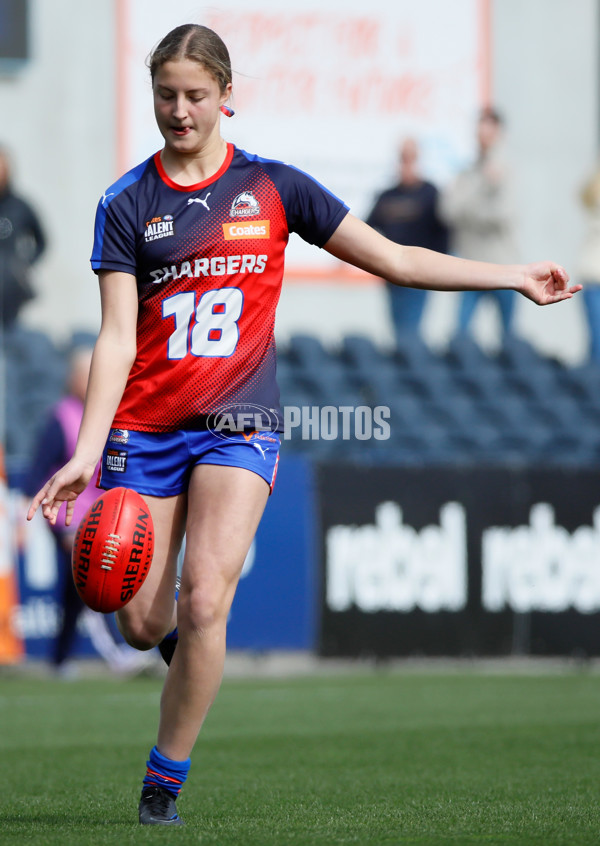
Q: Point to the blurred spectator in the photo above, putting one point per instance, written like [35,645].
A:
[589,262]
[22,242]
[55,446]
[407,214]
[479,208]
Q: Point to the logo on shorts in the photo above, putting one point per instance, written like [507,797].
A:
[245,205]
[260,435]
[116,460]
[247,419]
[159,227]
[119,436]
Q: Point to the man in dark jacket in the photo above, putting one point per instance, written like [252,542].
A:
[407,214]
[22,242]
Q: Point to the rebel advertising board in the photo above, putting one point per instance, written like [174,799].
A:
[451,561]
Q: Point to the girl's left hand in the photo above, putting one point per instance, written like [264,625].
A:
[546,282]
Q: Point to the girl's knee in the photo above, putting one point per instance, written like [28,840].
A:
[141,633]
[203,607]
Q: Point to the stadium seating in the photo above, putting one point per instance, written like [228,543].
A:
[34,370]
[458,406]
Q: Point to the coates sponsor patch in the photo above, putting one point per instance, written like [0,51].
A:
[237,231]
[159,227]
[245,205]
[116,460]
[119,436]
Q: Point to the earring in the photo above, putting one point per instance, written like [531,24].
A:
[227,111]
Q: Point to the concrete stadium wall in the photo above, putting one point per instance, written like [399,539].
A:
[58,122]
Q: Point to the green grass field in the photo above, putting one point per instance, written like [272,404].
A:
[369,758]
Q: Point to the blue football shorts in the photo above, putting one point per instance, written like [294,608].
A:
[160,463]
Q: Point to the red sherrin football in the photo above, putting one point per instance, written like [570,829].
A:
[113,550]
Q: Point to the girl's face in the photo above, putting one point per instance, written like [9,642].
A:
[187,101]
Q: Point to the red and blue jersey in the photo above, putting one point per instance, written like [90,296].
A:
[208,260]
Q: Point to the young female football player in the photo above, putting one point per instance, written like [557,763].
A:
[189,249]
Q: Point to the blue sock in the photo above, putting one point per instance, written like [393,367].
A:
[174,635]
[166,773]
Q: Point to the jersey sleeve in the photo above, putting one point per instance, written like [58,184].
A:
[114,245]
[311,210]
[115,226]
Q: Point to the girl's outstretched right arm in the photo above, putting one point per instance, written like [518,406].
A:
[114,354]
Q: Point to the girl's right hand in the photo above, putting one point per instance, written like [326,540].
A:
[64,486]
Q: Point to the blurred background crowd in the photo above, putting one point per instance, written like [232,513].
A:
[498,400]
[469,379]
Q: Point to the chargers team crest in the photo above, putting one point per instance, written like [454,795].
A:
[245,205]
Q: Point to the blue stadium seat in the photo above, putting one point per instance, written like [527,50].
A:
[466,411]
[373,371]
[514,412]
[483,437]
[459,407]
[82,338]
[412,412]
[561,411]
[577,448]
[306,351]
[537,384]
[518,354]
[436,380]
[297,393]
[581,382]
[413,352]
[28,344]
[35,378]
[465,354]
[325,374]
[539,436]
[360,352]
[286,372]
[589,413]
[486,384]
[332,385]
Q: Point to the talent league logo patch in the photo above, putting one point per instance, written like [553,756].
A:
[116,460]
[159,227]
[256,229]
[245,205]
